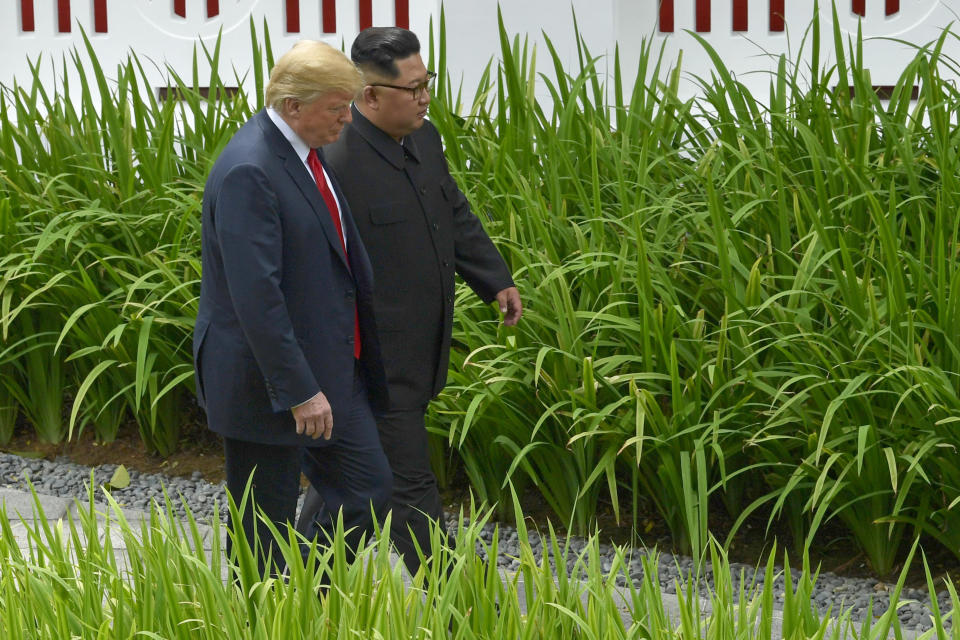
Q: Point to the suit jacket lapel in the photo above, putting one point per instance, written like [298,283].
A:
[304,182]
[358,259]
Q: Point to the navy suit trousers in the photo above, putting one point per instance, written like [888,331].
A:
[416,499]
[350,471]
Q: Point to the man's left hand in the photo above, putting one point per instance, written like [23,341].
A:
[510,305]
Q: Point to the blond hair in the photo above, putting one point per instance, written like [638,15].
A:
[309,70]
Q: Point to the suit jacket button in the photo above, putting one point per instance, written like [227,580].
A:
[446,263]
[436,227]
[423,190]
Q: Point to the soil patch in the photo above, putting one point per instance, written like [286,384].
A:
[199,450]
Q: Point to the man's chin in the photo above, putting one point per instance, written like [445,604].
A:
[330,139]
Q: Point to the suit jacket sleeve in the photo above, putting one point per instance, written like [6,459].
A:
[478,261]
[251,242]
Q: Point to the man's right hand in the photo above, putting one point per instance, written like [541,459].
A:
[314,417]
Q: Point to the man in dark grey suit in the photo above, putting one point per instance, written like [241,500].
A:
[419,230]
[285,347]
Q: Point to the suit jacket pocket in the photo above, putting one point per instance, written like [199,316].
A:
[389,213]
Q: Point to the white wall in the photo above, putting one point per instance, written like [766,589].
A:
[150,28]
[473,32]
[746,53]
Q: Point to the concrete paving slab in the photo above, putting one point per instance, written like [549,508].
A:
[21,535]
[21,505]
[136,519]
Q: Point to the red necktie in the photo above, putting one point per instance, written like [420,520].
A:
[317,168]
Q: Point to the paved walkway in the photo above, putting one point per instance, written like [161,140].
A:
[21,512]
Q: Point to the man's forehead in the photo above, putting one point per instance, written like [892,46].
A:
[335,96]
[411,67]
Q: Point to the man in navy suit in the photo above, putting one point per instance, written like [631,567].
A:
[285,348]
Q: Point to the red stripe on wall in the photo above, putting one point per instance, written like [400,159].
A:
[100,16]
[329,16]
[739,15]
[26,16]
[859,7]
[703,16]
[893,6]
[213,8]
[180,8]
[777,22]
[666,16]
[366,14]
[63,16]
[293,16]
[401,13]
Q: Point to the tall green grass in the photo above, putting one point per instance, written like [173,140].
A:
[739,301]
[102,184]
[101,576]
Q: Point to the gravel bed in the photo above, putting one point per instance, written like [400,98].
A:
[66,479]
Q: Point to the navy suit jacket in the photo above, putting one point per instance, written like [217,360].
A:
[275,323]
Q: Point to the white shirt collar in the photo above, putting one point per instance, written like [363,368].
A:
[302,149]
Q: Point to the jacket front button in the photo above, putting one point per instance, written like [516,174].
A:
[423,190]
[436,227]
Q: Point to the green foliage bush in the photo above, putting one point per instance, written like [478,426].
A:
[737,300]
[734,299]
[100,246]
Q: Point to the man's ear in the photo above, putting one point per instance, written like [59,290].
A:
[369,98]
[291,107]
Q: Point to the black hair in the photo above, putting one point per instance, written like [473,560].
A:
[377,49]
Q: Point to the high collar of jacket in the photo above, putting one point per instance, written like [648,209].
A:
[382,142]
